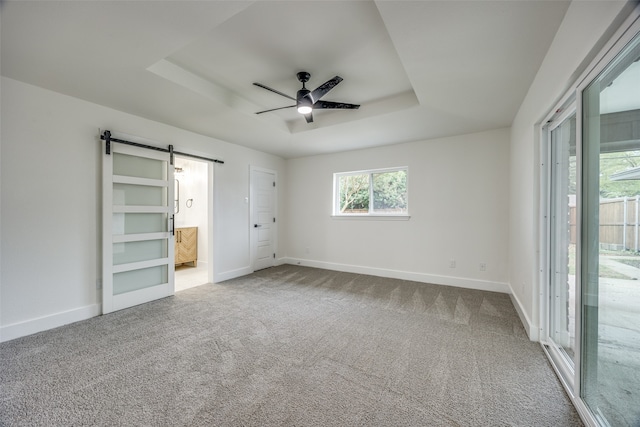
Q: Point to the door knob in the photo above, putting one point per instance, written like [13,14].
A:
[257,225]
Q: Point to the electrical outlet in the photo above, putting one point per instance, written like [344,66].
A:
[452,263]
[483,266]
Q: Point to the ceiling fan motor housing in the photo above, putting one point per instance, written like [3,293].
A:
[302,93]
[301,98]
[304,101]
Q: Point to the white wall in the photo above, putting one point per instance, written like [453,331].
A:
[458,202]
[586,27]
[51,203]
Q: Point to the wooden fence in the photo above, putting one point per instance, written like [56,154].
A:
[619,224]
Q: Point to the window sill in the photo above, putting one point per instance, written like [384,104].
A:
[374,217]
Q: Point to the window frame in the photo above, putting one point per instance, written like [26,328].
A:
[371,214]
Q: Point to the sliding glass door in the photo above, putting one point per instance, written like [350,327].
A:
[591,290]
[563,239]
[610,353]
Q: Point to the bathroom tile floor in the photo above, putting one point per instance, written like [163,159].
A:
[188,276]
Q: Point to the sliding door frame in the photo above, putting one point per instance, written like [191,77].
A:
[566,373]
[629,29]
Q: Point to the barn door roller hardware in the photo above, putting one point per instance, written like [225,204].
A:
[106,137]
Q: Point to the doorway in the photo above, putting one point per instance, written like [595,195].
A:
[193,193]
[591,297]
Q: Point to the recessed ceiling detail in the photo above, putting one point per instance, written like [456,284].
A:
[267,43]
[419,69]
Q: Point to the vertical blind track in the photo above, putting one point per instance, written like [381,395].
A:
[106,136]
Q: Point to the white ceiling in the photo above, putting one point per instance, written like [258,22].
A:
[419,69]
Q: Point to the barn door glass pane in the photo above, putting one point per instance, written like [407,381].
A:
[135,223]
[139,167]
[145,250]
[610,374]
[139,279]
[139,195]
[563,239]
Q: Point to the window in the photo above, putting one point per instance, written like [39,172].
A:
[371,193]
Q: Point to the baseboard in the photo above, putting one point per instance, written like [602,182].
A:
[460,282]
[531,329]
[228,275]
[28,327]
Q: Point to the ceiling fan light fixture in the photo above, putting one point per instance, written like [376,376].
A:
[304,105]
[304,109]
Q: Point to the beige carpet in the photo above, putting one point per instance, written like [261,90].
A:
[289,346]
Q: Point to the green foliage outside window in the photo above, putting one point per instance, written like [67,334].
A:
[388,189]
[354,193]
[612,163]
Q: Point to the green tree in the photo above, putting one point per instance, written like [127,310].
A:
[612,163]
[390,190]
[354,193]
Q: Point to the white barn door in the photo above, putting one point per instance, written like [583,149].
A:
[263,215]
[137,233]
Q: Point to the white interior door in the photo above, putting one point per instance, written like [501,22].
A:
[263,185]
[137,234]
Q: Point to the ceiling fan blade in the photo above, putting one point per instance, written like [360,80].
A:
[274,91]
[274,109]
[325,87]
[308,117]
[329,104]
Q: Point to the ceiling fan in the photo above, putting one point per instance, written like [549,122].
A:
[307,100]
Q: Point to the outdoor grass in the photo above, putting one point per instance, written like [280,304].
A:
[632,262]
[603,270]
